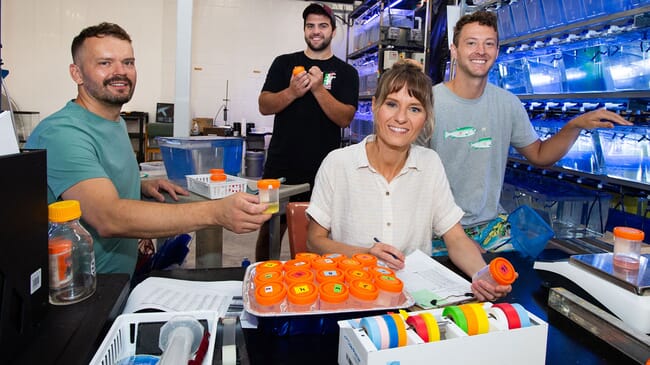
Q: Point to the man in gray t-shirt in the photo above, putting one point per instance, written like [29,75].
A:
[476,123]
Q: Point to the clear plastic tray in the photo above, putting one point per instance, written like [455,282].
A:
[123,337]
[250,273]
[201,184]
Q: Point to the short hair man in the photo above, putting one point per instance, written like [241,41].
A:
[90,159]
[477,122]
[310,107]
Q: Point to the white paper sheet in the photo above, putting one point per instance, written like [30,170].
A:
[426,279]
[172,295]
[8,141]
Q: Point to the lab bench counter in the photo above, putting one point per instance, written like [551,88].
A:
[567,343]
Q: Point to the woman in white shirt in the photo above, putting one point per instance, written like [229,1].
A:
[387,197]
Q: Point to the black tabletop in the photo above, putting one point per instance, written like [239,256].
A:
[567,343]
[71,334]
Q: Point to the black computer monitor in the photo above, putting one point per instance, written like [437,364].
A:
[23,250]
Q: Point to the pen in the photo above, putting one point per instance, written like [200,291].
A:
[377,240]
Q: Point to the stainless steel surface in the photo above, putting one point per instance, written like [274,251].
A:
[633,343]
[601,265]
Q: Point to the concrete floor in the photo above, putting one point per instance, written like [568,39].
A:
[236,247]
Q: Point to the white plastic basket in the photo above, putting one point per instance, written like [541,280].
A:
[201,184]
[120,341]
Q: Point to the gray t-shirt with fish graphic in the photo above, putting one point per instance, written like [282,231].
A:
[472,137]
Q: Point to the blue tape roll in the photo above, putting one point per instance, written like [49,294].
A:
[369,324]
[523,314]
[393,337]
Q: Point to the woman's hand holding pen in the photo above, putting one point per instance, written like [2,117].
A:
[390,255]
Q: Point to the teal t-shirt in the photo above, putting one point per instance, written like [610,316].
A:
[81,145]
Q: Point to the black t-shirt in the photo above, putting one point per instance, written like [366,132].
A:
[302,134]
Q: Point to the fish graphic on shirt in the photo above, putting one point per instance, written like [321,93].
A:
[463,132]
[482,143]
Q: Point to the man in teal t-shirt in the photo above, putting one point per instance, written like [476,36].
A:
[90,159]
[81,146]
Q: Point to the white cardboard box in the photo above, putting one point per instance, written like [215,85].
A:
[500,346]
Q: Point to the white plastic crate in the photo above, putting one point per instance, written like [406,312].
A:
[120,341]
[201,184]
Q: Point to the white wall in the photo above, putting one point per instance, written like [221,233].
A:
[234,40]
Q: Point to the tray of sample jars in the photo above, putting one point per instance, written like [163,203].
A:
[329,284]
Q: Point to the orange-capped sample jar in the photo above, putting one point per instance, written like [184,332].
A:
[390,290]
[366,259]
[335,256]
[270,265]
[363,294]
[271,298]
[299,276]
[380,270]
[302,264]
[309,256]
[333,295]
[349,263]
[302,297]
[357,274]
[264,278]
[323,263]
[218,177]
[217,171]
[498,272]
[323,276]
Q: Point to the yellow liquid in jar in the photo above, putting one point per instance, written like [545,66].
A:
[273,208]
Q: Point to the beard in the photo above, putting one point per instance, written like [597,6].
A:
[101,92]
[326,42]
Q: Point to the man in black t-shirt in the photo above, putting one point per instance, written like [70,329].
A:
[310,106]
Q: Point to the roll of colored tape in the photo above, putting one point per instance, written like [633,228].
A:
[369,324]
[393,337]
[523,314]
[432,326]
[384,334]
[401,329]
[457,316]
[511,314]
[499,316]
[481,318]
[470,317]
[417,323]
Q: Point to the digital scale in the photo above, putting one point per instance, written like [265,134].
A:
[625,293]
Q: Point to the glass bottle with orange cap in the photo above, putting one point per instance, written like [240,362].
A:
[71,255]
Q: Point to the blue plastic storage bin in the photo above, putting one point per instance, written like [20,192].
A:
[638,3]
[519,18]
[535,14]
[553,13]
[574,10]
[613,6]
[197,155]
[594,8]
[504,18]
